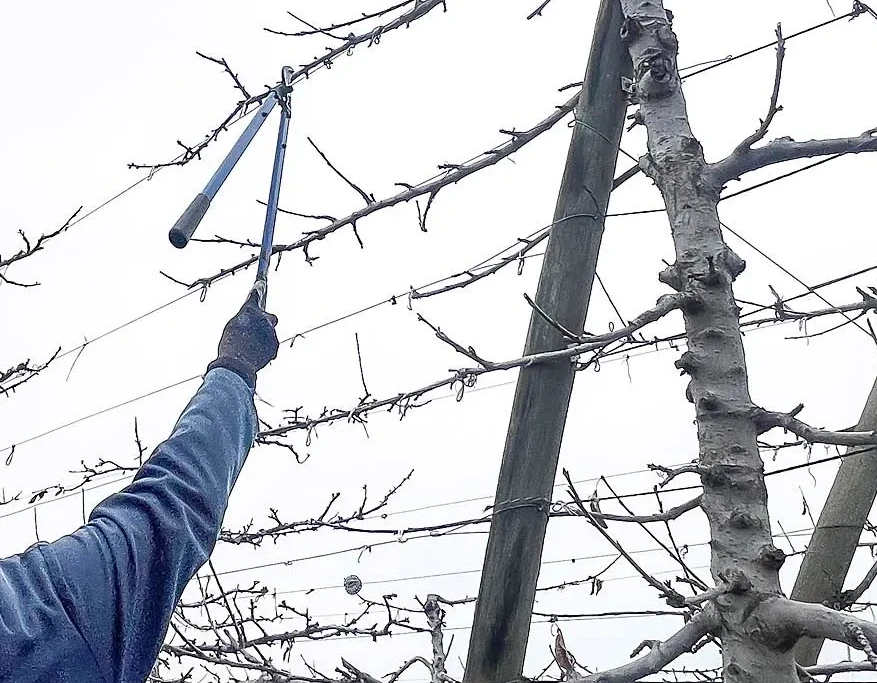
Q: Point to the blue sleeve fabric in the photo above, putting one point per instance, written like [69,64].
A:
[95,605]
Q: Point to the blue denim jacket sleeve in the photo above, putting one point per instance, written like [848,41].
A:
[99,601]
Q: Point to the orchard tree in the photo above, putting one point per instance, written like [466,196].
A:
[746,612]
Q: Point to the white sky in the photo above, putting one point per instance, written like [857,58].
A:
[92,86]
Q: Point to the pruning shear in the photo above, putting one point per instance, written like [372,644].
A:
[184,228]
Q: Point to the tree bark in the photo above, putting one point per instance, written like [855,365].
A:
[758,628]
[734,492]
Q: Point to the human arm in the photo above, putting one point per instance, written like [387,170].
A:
[110,587]
[120,576]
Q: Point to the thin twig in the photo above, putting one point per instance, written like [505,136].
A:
[367,198]
[538,11]
[673,597]
[32,248]
[361,371]
[469,352]
[570,336]
[773,108]
[345,24]
[224,64]
[303,72]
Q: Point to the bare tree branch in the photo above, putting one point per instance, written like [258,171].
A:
[738,583]
[471,277]
[435,617]
[227,68]
[255,537]
[313,29]
[518,256]
[469,352]
[367,198]
[193,152]
[538,11]
[661,653]
[86,474]
[670,473]
[314,631]
[345,24]
[783,619]
[336,521]
[421,7]
[847,598]
[31,248]
[773,108]
[666,516]
[14,377]
[237,628]
[783,312]
[326,60]
[568,335]
[839,668]
[665,305]
[768,419]
[786,149]
[673,597]
[745,159]
[89,473]
[465,377]
[430,187]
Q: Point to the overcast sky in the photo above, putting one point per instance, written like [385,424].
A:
[94,86]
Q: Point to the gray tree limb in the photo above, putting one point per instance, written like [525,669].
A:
[661,653]
[665,305]
[435,617]
[454,174]
[743,161]
[838,668]
[849,597]
[667,516]
[779,620]
[769,419]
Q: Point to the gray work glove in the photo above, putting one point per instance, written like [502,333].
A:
[248,342]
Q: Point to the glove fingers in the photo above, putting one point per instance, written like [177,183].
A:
[252,299]
[249,341]
[267,336]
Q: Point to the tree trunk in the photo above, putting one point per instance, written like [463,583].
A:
[744,558]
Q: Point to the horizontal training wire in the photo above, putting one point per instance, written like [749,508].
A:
[368,547]
[803,532]
[723,62]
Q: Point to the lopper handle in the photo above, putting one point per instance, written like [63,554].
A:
[184,228]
